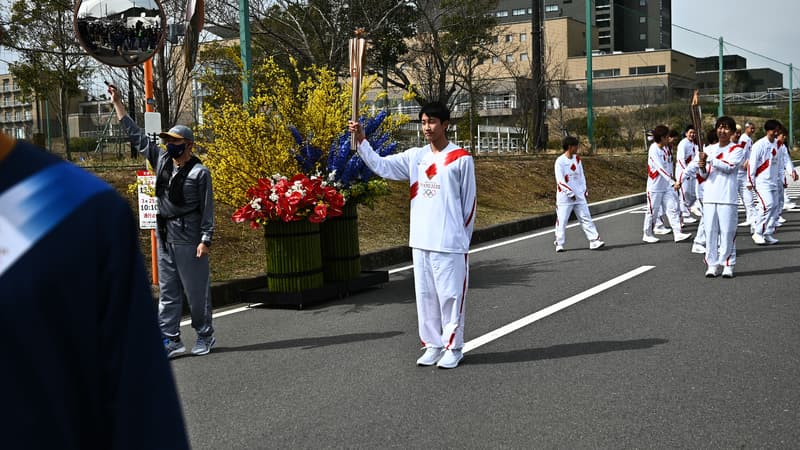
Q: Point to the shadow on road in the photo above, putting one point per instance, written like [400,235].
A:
[502,272]
[561,351]
[309,343]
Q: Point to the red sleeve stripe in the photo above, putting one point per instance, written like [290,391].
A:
[454,155]
[471,213]
[413,190]
[764,166]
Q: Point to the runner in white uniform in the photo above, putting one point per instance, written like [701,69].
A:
[721,162]
[443,204]
[745,188]
[659,182]
[687,151]
[571,195]
[763,175]
[786,169]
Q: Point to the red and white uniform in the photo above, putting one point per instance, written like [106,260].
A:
[687,151]
[571,196]
[745,193]
[721,202]
[786,171]
[443,205]
[763,174]
[660,194]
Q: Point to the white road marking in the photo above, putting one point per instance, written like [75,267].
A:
[525,237]
[552,309]
[409,267]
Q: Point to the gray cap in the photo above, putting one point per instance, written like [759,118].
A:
[178,132]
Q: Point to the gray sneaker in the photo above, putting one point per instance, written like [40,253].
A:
[173,347]
[203,345]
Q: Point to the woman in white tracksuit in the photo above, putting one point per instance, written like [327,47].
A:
[571,195]
[443,203]
[720,163]
[763,172]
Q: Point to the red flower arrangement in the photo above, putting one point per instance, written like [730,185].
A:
[290,200]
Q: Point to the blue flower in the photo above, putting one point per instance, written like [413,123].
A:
[347,166]
[307,155]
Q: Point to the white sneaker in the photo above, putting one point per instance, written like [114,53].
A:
[431,356]
[682,236]
[595,244]
[758,239]
[727,272]
[700,249]
[696,211]
[689,220]
[559,248]
[770,240]
[712,271]
[650,239]
[781,219]
[661,230]
[744,224]
[450,359]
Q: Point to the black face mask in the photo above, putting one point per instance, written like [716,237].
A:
[175,150]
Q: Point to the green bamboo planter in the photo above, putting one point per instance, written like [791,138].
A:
[294,260]
[341,259]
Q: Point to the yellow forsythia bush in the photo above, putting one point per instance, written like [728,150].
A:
[253,141]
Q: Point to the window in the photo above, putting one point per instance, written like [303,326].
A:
[642,2]
[495,59]
[509,58]
[8,116]
[551,8]
[523,37]
[643,19]
[523,56]
[502,14]
[605,73]
[518,12]
[28,115]
[647,70]
[643,37]
[509,38]
[17,116]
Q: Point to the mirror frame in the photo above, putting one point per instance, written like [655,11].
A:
[161,38]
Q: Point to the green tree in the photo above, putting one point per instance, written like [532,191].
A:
[52,65]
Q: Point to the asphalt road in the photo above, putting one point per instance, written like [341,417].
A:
[660,358]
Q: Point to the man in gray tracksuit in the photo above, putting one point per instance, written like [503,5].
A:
[185,229]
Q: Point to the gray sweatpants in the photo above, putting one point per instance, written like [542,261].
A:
[179,270]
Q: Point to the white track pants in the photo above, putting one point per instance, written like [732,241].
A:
[720,225]
[582,213]
[660,203]
[688,195]
[440,282]
[765,217]
[748,200]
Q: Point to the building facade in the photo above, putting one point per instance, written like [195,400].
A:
[622,25]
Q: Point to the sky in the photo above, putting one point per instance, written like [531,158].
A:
[766,27]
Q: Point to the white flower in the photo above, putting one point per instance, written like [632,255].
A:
[256,204]
[273,197]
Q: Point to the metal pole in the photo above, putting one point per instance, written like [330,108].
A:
[47,124]
[589,114]
[244,43]
[148,107]
[719,107]
[791,110]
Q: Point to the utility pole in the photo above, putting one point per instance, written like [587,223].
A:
[244,43]
[589,112]
[539,109]
[721,77]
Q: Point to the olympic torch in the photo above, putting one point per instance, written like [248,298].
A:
[357,45]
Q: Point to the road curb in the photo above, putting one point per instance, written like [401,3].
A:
[227,292]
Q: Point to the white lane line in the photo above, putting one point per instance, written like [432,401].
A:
[404,268]
[525,237]
[552,309]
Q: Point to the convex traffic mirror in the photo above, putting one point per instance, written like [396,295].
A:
[120,33]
